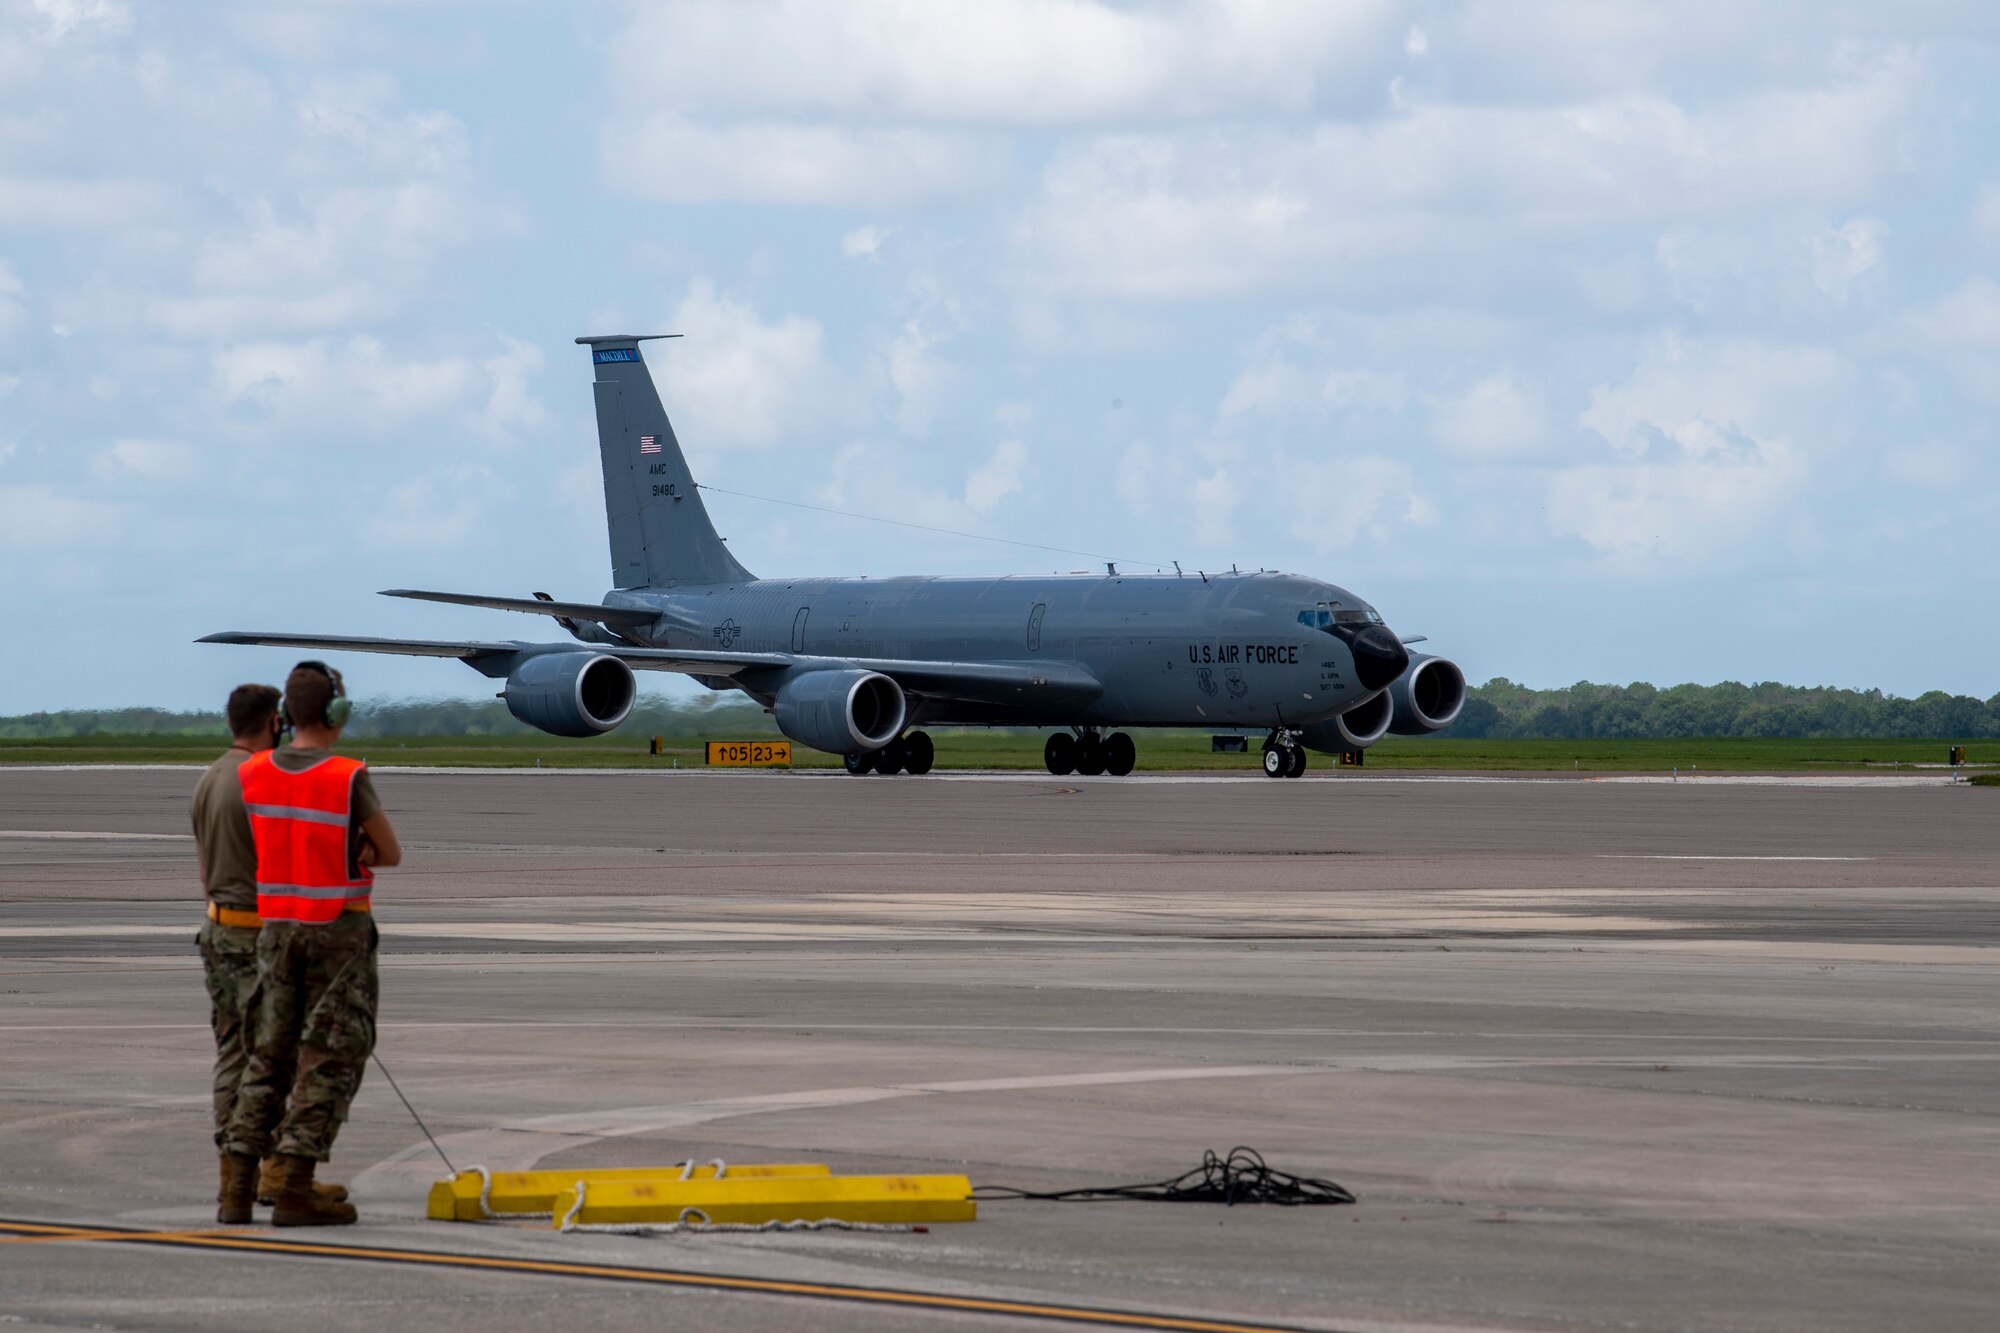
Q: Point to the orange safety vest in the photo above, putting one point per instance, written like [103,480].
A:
[300,824]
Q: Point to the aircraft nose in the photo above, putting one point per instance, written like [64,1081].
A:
[1379,657]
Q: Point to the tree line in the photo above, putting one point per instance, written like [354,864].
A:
[1499,709]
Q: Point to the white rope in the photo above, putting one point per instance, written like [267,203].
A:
[695,1222]
[688,1168]
[486,1212]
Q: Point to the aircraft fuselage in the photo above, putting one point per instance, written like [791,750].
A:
[1196,650]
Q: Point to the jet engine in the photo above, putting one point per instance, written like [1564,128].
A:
[1426,697]
[1356,729]
[841,712]
[571,694]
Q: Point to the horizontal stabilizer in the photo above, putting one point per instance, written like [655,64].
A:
[618,617]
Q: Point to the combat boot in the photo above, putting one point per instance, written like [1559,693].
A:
[239,1189]
[298,1205]
[267,1186]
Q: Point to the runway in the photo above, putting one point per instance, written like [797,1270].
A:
[1592,1053]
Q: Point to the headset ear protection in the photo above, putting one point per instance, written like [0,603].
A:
[338,708]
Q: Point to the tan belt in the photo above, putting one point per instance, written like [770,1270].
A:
[236,916]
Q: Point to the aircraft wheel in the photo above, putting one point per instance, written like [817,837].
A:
[1277,763]
[1090,756]
[918,753]
[1298,767]
[859,763]
[889,760]
[1060,754]
[1119,754]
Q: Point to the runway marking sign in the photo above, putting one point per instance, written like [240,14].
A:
[750,754]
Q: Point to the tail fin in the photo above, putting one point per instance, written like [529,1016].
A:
[660,530]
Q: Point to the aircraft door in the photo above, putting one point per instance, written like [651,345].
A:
[799,630]
[1035,626]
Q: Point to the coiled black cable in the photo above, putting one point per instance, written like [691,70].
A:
[1240,1177]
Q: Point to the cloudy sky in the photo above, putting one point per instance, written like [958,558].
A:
[1594,341]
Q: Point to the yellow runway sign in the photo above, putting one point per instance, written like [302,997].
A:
[750,754]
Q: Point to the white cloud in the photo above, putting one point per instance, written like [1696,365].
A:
[148,460]
[1936,466]
[865,242]
[1362,497]
[665,156]
[42,518]
[1234,209]
[1843,254]
[1495,417]
[1962,331]
[997,478]
[1278,387]
[56,203]
[736,381]
[1133,478]
[437,510]
[1716,439]
[324,387]
[1005,62]
[11,304]
[61,18]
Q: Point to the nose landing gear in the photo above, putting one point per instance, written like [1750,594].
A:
[1284,757]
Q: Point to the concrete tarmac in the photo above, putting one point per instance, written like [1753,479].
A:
[1593,1054]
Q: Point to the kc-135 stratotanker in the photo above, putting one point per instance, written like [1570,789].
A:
[853,666]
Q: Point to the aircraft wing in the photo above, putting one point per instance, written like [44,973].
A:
[695,661]
[983,682]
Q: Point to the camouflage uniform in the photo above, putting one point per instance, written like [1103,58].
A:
[315,1003]
[229,961]
[228,952]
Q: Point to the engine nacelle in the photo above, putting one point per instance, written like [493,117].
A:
[571,694]
[1356,729]
[1427,696]
[841,712]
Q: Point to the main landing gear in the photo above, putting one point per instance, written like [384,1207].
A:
[910,753]
[1284,757]
[1090,754]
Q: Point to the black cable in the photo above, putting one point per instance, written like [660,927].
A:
[413,1113]
[1241,1177]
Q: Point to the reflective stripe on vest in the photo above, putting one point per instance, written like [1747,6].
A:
[300,823]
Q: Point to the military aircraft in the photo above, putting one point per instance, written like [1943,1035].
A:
[855,666]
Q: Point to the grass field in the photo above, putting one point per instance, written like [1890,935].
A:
[1164,750]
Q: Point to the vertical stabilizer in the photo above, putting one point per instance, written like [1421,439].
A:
[660,530]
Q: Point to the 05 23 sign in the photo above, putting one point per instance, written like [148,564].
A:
[749,754]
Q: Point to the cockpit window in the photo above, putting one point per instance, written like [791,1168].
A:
[1357,618]
[1306,619]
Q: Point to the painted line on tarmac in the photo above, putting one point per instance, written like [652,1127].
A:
[881,1297]
[1808,780]
[66,835]
[1666,856]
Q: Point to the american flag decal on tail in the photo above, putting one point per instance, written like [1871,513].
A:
[649,444]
